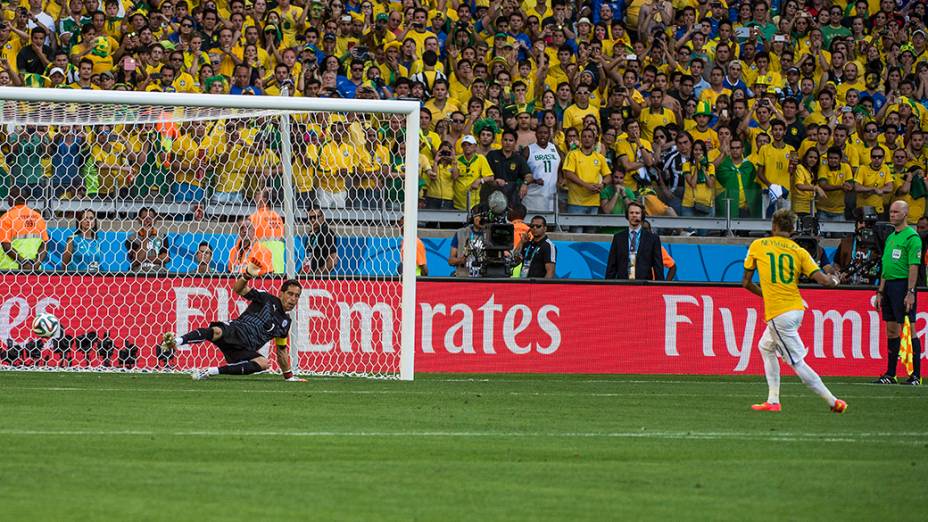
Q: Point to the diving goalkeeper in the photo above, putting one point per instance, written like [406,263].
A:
[239,340]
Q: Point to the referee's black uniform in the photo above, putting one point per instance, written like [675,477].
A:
[903,249]
[263,320]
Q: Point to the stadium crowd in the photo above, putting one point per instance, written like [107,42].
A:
[689,106]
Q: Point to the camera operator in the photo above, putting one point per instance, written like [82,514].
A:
[467,244]
[896,296]
[808,236]
[858,256]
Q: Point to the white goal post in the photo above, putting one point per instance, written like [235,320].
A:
[338,298]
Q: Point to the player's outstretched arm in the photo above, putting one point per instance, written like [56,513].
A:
[824,279]
[251,271]
[748,282]
[283,361]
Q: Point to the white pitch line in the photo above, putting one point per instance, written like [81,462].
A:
[878,438]
[462,393]
[432,377]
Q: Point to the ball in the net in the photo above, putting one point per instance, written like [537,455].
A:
[45,325]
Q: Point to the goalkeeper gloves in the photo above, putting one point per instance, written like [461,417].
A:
[289,377]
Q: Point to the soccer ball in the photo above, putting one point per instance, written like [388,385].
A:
[46,325]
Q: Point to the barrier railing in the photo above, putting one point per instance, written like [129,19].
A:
[128,209]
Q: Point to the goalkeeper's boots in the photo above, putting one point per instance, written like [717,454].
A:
[168,342]
[199,375]
[885,379]
[767,406]
[839,407]
[913,381]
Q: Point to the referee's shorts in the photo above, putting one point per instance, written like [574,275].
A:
[782,337]
[893,301]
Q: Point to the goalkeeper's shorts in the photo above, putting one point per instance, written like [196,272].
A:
[231,344]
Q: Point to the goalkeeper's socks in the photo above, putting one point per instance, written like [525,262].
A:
[197,336]
[240,368]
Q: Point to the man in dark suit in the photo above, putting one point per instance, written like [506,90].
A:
[636,248]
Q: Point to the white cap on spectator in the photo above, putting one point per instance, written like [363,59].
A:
[58,70]
[469,139]
[584,20]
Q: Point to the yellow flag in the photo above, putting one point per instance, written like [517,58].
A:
[905,346]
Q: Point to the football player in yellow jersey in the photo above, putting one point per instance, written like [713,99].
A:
[779,263]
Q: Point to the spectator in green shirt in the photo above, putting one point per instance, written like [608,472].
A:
[615,197]
[28,146]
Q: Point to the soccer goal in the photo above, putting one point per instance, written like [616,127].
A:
[129,214]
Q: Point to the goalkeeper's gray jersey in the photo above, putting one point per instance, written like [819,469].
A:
[263,320]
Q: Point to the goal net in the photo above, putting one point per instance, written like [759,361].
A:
[127,215]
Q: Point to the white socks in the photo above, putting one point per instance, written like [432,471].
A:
[813,381]
[772,371]
[212,371]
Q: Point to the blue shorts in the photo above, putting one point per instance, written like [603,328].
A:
[893,303]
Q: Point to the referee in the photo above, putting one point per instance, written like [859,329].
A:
[896,296]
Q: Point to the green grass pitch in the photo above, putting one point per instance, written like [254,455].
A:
[161,447]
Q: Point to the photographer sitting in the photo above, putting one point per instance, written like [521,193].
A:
[857,258]
[467,245]
[808,236]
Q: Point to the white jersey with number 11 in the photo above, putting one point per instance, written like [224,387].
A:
[544,164]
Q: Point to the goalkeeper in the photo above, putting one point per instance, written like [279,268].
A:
[267,317]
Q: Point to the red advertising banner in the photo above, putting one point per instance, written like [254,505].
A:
[353,325]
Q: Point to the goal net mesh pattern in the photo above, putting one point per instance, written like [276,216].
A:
[128,221]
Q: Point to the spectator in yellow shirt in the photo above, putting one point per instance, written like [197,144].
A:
[574,114]
[470,171]
[337,164]
[873,181]
[835,178]
[585,169]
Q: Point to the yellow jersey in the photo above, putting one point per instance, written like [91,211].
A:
[288,23]
[834,201]
[442,186]
[651,120]
[305,167]
[334,157]
[630,150]
[801,200]
[370,163]
[776,164]
[874,178]
[574,115]
[916,205]
[709,136]
[469,171]
[779,262]
[591,168]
